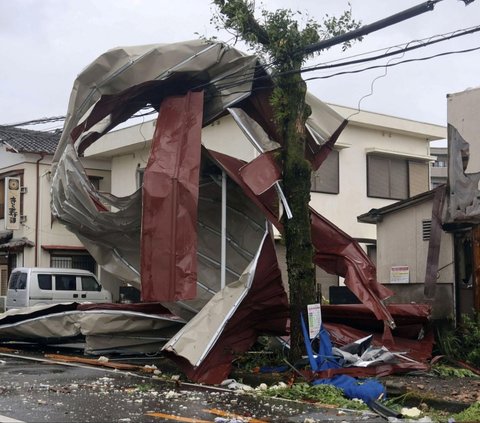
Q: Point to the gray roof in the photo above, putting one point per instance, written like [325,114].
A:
[27,141]
[376,215]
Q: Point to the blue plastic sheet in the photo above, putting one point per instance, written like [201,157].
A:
[365,389]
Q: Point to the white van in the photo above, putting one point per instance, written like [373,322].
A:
[29,286]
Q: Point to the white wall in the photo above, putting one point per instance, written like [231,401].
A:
[49,233]
[400,243]
[225,136]
[343,208]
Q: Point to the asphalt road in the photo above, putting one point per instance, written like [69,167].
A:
[33,389]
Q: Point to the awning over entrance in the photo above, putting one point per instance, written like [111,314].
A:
[16,244]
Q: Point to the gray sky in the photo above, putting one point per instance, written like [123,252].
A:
[44,44]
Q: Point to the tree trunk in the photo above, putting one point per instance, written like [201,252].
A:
[296,182]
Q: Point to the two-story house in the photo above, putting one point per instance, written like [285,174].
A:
[29,236]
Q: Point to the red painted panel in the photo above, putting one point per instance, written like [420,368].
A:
[170,202]
[264,310]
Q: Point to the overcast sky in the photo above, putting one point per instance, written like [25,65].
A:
[44,44]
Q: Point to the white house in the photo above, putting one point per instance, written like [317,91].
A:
[32,237]
[404,231]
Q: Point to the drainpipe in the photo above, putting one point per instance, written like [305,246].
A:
[37,207]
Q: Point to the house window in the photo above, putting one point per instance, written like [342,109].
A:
[439,163]
[395,178]
[95,181]
[72,260]
[140,174]
[326,178]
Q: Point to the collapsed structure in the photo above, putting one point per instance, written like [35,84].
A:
[197,237]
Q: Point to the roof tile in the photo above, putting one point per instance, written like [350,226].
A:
[28,141]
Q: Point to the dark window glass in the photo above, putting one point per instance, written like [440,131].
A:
[13,280]
[45,282]
[22,281]
[90,284]
[65,283]
[326,178]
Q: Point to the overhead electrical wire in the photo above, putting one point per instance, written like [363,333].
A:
[418,59]
[329,65]
[233,80]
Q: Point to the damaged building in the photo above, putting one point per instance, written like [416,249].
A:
[30,235]
[428,245]
[188,217]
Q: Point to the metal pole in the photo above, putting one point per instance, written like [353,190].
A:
[367,29]
[223,262]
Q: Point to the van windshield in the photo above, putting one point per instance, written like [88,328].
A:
[18,280]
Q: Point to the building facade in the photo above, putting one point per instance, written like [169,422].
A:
[404,231]
[439,169]
[29,235]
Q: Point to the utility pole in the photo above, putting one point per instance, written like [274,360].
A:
[375,26]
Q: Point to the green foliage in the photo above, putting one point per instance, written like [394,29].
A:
[145,387]
[324,394]
[265,352]
[449,371]
[278,35]
[461,343]
[470,338]
[471,414]
[447,341]
[338,26]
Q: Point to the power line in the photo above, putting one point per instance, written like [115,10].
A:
[375,26]
[446,37]
[249,77]
[389,65]
[425,42]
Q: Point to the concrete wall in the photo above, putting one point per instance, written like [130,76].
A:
[442,307]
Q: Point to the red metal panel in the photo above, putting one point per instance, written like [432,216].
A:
[335,251]
[170,202]
[261,173]
[339,254]
[264,310]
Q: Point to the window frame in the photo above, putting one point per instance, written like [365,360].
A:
[391,158]
[318,188]
[417,177]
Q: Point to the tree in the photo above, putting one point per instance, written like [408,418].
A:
[278,37]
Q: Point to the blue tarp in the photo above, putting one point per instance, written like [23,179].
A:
[365,389]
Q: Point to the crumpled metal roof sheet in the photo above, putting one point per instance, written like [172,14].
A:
[113,88]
